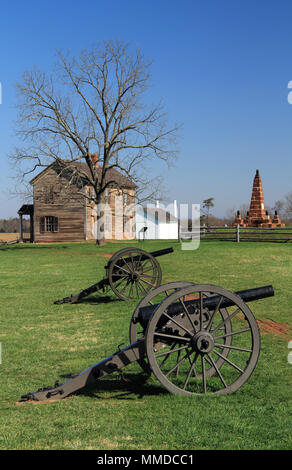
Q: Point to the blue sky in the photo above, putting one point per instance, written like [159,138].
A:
[221,67]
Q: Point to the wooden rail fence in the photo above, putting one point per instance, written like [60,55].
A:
[238,234]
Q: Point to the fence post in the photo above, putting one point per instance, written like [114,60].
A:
[237,234]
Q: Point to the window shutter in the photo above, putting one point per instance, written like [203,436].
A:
[42,224]
[55,224]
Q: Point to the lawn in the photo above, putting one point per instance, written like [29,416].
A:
[42,341]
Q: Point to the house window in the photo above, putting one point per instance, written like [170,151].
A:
[48,223]
[167,218]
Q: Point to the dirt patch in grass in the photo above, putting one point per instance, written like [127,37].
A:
[279,329]
[102,255]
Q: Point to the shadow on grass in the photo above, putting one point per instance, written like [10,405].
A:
[31,247]
[122,387]
[102,299]
[92,300]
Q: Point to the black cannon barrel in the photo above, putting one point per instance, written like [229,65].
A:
[162,252]
[248,295]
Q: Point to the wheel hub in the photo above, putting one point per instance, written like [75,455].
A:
[202,342]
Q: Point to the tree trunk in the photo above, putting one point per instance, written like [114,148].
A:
[100,240]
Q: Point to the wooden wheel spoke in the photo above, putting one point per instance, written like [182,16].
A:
[203,373]
[228,361]
[146,266]
[129,267]
[131,290]
[191,370]
[226,320]
[171,351]
[236,348]
[186,312]
[147,282]
[176,366]
[137,290]
[173,337]
[146,275]
[168,354]
[217,370]
[142,287]
[178,324]
[125,286]
[177,359]
[119,282]
[238,332]
[123,269]
[214,313]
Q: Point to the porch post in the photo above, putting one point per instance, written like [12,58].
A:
[31,228]
[21,228]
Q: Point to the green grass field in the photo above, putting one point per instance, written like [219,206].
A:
[42,341]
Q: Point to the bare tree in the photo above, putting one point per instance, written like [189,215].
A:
[283,207]
[93,104]
[279,206]
[288,207]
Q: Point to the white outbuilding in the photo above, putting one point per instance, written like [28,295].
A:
[156,223]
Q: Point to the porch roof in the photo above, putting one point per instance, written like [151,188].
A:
[26,209]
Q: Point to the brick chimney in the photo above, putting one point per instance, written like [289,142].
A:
[94,158]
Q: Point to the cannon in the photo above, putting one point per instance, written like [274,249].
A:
[130,273]
[196,339]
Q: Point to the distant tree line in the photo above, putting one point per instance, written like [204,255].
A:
[11,225]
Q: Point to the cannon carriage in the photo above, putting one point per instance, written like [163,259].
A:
[196,339]
[130,273]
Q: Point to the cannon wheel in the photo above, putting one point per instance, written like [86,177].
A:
[157,296]
[153,297]
[200,345]
[133,272]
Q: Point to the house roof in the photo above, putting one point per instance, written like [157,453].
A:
[81,167]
